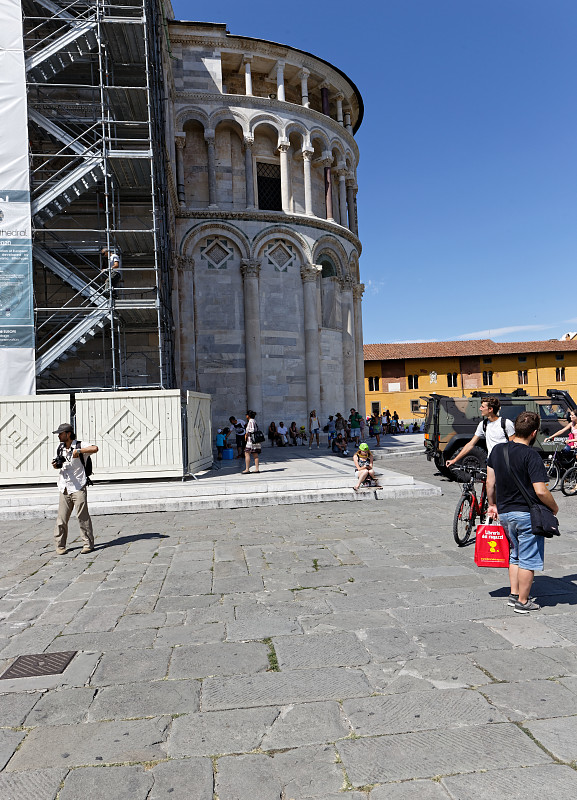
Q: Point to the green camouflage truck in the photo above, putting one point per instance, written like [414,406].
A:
[450,422]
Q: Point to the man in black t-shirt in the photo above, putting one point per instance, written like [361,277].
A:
[506,500]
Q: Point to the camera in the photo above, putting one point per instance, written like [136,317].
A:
[58,462]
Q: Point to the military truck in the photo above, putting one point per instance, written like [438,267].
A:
[450,422]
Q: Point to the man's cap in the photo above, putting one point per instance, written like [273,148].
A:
[65,427]
[363,446]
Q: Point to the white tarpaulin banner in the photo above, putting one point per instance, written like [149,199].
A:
[17,357]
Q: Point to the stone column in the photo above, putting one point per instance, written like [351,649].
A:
[342,195]
[328,186]
[248,171]
[247,75]
[307,159]
[349,356]
[180,141]
[250,270]
[350,184]
[210,146]
[325,99]
[309,274]
[339,98]
[186,323]
[359,354]
[284,176]
[304,76]
[348,125]
[280,80]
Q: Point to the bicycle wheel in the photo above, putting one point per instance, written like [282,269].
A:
[569,482]
[464,519]
[554,474]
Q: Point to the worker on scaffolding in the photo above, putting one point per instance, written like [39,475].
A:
[111,271]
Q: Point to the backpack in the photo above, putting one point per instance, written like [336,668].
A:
[503,425]
[86,462]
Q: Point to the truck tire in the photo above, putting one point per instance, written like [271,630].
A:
[444,471]
[477,458]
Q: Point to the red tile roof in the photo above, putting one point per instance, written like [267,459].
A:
[475,347]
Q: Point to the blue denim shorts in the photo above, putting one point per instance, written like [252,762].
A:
[527,550]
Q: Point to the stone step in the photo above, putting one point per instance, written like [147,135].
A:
[196,502]
[395,452]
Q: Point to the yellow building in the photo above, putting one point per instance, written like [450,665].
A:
[398,375]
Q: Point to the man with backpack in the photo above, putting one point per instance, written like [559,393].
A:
[73,461]
[493,428]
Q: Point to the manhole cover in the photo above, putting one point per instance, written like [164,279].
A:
[39,664]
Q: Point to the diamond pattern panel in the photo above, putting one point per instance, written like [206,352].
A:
[129,432]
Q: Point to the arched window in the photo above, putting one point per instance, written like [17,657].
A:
[329,269]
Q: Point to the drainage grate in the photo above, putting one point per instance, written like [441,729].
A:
[39,664]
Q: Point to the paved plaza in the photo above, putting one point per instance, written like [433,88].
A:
[338,650]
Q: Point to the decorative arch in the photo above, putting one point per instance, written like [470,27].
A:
[269,119]
[227,115]
[202,229]
[318,133]
[337,146]
[333,248]
[280,232]
[190,114]
[296,127]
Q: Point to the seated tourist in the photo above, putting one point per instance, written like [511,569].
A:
[363,460]
[339,445]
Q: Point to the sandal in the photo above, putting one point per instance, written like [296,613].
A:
[245,472]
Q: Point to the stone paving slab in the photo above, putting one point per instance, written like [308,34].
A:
[558,735]
[403,713]
[218,659]
[218,732]
[145,699]
[411,790]
[307,772]
[430,753]
[9,741]
[103,784]
[323,650]
[507,665]
[130,666]
[42,784]
[173,780]
[61,707]
[514,784]
[535,699]
[277,688]
[304,724]
[94,743]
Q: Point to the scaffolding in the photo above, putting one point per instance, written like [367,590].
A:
[98,187]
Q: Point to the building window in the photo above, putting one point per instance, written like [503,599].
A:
[559,356]
[452,380]
[415,406]
[413,381]
[487,361]
[522,359]
[376,409]
[560,374]
[268,187]
[522,377]
[373,384]
[488,378]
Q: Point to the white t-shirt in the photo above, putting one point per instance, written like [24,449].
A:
[282,429]
[72,476]
[494,434]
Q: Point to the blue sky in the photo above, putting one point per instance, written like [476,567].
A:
[468,173]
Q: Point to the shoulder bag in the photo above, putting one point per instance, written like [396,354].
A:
[543,520]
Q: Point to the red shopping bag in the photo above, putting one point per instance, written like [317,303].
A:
[491,546]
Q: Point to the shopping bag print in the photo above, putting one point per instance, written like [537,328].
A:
[491,546]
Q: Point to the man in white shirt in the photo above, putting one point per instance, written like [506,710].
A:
[282,430]
[72,487]
[493,428]
[112,269]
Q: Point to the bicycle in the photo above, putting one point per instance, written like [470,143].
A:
[558,463]
[470,506]
[569,482]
